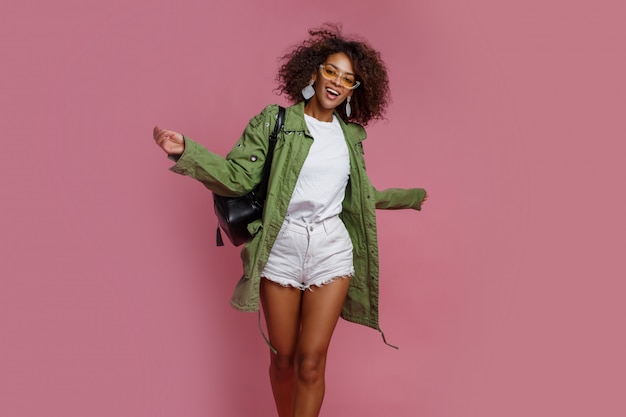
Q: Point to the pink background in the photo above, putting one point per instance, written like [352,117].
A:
[505,294]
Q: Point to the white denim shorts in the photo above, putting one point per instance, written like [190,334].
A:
[310,254]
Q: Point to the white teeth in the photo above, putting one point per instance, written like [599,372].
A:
[331,91]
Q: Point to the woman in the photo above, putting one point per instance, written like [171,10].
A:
[314,255]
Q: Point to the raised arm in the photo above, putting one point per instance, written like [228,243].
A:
[234,175]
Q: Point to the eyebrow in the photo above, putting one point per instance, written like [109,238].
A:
[339,69]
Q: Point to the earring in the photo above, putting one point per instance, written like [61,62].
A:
[348,108]
[308,91]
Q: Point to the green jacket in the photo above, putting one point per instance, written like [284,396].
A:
[241,171]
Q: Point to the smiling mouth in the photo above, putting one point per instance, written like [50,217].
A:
[333,92]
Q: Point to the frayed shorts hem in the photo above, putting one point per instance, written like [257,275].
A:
[303,287]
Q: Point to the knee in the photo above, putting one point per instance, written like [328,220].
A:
[282,364]
[311,368]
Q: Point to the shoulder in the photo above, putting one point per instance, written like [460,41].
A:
[267,114]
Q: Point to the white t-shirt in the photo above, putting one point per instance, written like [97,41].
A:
[321,185]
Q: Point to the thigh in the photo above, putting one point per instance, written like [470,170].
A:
[281,308]
[321,307]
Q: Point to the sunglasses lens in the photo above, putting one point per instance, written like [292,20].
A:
[329,73]
[347,81]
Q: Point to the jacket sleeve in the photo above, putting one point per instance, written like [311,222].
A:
[241,170]
[400,198]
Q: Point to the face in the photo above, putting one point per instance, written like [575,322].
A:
[330,93]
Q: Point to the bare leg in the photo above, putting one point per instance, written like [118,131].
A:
[281,307]
[319,314]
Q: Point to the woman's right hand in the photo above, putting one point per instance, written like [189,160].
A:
[168,140]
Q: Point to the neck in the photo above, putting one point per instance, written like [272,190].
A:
[313,109]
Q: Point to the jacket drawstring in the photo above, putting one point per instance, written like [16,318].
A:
[267,341]
[385,340]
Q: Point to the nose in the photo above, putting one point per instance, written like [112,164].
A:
[337,81]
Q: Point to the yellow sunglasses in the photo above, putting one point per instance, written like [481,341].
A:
[330,72]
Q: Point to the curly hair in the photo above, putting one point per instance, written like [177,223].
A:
[369,100]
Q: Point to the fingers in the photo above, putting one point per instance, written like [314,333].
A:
[162,135]
[158,134]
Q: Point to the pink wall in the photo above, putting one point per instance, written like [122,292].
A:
[505,294]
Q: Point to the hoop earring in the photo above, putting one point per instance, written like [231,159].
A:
[348,107]
[308,91]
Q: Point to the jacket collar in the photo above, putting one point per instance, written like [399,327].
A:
[294,122]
